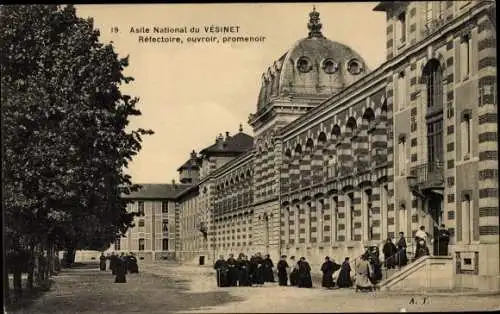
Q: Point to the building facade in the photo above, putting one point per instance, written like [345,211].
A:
[344,156]
[156,226]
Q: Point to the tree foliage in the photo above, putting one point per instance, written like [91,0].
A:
[64,129]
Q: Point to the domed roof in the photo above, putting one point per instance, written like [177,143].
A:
[314,66]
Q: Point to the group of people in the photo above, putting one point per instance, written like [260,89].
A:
[119,265]
[396,256]
[243,271]
[258,270]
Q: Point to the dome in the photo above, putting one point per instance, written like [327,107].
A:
[315,66]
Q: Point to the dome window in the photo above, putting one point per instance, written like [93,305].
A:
[330,66]
[354,67]
[304,65]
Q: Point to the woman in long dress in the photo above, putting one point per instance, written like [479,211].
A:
[282,271]
[344,278]
[102,263]
[328,268]
[294,274]
[389,251]
[305,280]
[401,259]
[363,271]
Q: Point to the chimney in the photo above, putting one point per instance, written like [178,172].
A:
[193,154]
[219,141]
[173,183]
[227,135]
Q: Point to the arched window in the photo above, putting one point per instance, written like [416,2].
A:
[432,77]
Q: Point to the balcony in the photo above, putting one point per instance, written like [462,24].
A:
[428,176]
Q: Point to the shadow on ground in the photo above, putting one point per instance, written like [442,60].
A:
[85,289]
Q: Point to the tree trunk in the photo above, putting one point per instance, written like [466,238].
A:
[6,285]
[31,268]
[50,260]
[38,272]
[17,282]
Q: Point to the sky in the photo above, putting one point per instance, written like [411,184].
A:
[190,92]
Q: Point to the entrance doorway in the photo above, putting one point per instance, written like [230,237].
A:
[435,209]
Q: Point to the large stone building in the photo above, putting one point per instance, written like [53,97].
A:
[344,156]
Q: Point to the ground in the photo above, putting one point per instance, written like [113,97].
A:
[162,288]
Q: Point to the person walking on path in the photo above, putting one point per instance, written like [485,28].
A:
[344,278]
[102,262]
[282,271]
[363,271]
[121,270]
[305,280]
[328,268]
[294,274]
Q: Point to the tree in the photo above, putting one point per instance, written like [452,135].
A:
[64,130]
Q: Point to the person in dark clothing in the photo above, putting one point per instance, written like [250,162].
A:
[443,241]
[328,268]
[401,258]
[389,251]
[305,280]
[102,262]
[344,279]
[232,274]
[113,260]
[121,270]
[222,270]
[267,270]
[376,275]
[132,266]
[244,271]
[294,274]
[258,274]
[282,267]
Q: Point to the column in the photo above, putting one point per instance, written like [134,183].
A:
[383,209]
[320,205]
[348,217]
[297,224]
[333,217]
[365,215]
[286,225]
[308,222]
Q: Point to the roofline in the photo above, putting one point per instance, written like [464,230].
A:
[235,162]
[382,6]
[159,198]
[183,167]
[189,189]
[384,69]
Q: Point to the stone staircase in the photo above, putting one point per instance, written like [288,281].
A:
[425,274]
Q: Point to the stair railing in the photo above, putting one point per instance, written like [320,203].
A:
[410,253]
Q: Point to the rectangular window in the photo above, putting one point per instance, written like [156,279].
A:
[141,244]
[165,245]
[140,205]
[466,136]
[465,57]
[141,223]
[165,225]
[429,14]
[401,82]
[402,27]
[402,156]
[117,244]
[435,141]
[164,207]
